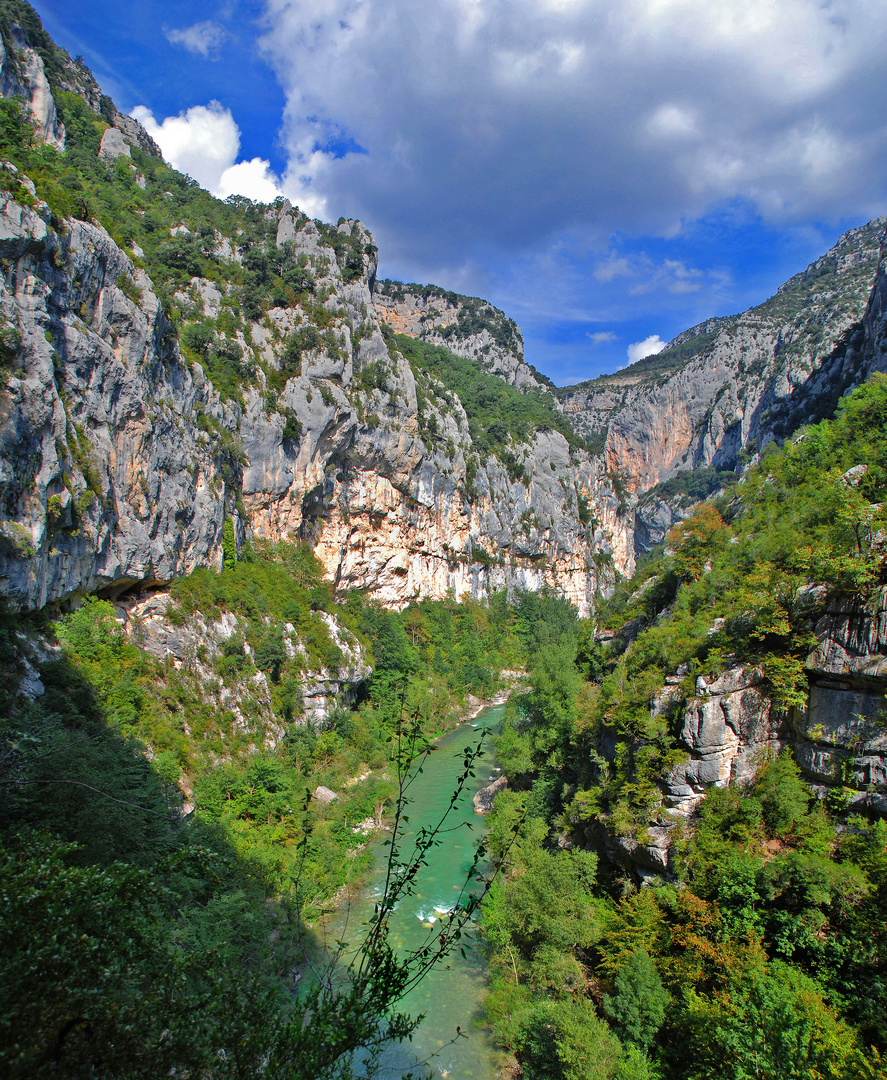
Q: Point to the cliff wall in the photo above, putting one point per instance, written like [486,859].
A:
[464,324]
[729,728]
[121,461]
[731,385]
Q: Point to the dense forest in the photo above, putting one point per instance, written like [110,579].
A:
[762,952]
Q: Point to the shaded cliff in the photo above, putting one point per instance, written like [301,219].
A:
[730,728]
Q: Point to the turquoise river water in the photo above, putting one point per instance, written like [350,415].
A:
[450,996]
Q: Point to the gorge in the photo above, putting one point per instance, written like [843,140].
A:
[269,526]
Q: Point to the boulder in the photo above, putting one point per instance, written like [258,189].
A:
[484,799]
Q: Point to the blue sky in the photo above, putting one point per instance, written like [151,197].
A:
[609,173]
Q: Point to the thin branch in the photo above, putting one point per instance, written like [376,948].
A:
[78,783]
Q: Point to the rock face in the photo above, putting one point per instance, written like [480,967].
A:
[729,728]
[101,478]
[464,324]
[119,462]
[841,738]
[728,386]
[114,145]
[22,75]
[195,644]
[485,799]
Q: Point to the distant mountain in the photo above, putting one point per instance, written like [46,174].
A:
[719,392]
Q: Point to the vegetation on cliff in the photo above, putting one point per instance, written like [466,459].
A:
[500,417]
[770,947]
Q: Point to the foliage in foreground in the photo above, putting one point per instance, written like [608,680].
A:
[135,942]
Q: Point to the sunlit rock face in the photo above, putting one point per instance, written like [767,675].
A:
[464,324]
[22,75]
[120,462]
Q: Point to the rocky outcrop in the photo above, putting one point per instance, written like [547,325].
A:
[194,644]
[114,145]
[841,738]
[729,728]
[22,75]
[105,478]
[485,799]
[466,325]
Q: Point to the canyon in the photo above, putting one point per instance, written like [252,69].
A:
[124,460]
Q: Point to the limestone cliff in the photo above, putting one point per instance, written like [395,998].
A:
[121,460]
[34,68]
[22,74]
[139,413]
[729,727]
[733,384]
[722,390]
[253,379]
[193,646]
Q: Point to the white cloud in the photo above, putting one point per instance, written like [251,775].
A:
[671,276]
[648,347]
[204,142]
[253,178]
[201,39]
[506,123]
[671,121]
[601,337]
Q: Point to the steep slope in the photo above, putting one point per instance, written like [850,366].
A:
[469,326]
[733,384]
[719,392]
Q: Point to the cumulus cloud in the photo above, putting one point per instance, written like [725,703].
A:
[648,347]
[253,178]
[601,337]
[204,142]
[510,122]
[201,39]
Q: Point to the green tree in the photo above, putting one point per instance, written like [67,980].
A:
[638,1003]
[775,1025]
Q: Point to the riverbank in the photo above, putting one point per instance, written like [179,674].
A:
[475,706]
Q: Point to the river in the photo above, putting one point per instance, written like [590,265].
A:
[451,995]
